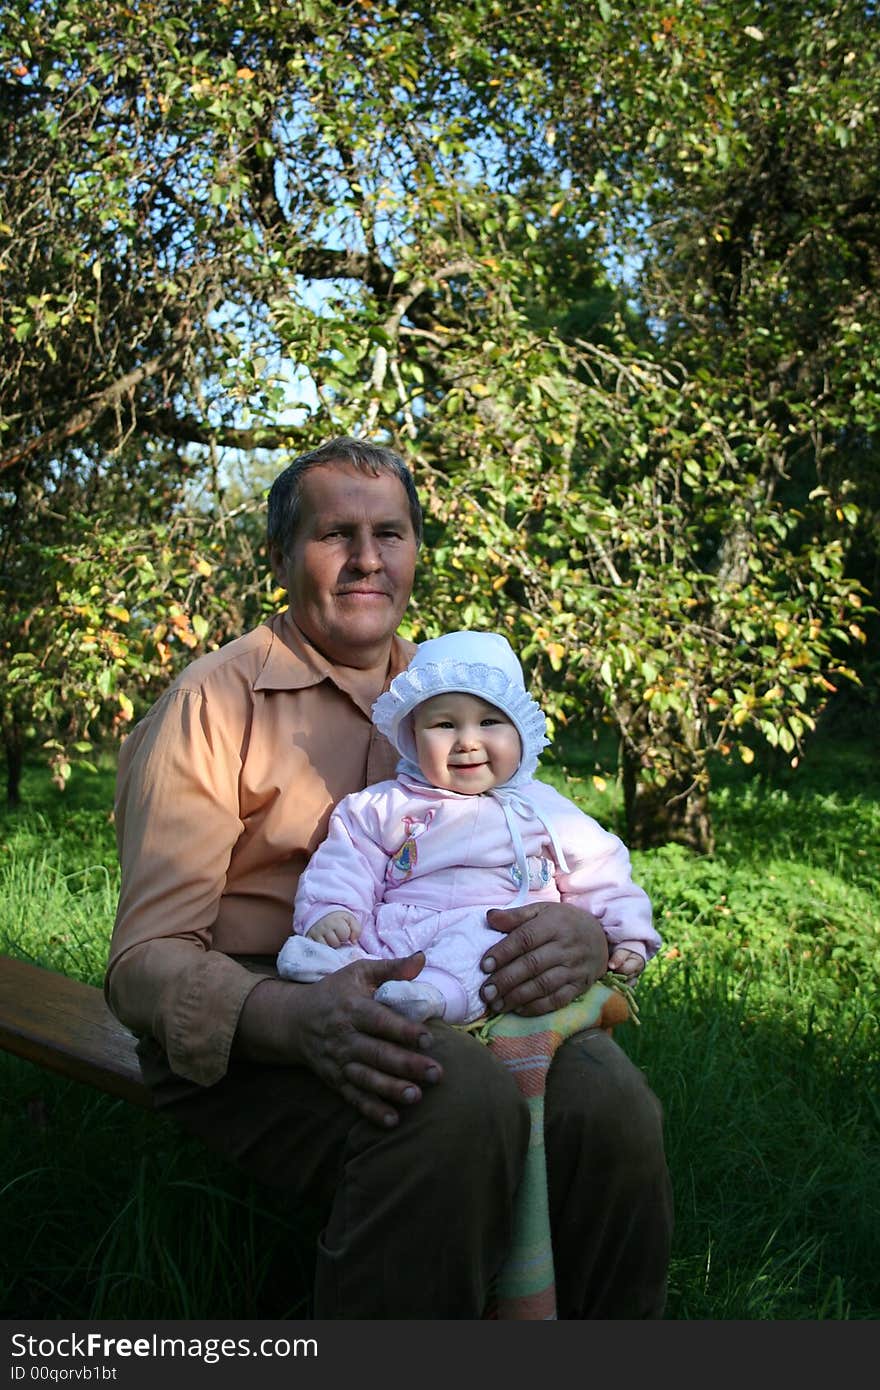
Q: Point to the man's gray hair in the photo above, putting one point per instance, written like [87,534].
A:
[286,492]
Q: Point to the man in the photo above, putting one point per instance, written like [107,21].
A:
[412,1139]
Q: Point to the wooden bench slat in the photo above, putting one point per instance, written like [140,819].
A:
[65,1026]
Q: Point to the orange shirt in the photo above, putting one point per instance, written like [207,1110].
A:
[225,788]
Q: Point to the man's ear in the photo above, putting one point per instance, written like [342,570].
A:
[276,560]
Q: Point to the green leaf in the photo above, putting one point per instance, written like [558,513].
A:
[786,740]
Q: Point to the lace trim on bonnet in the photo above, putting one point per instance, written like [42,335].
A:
[419,683]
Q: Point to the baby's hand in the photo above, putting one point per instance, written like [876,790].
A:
[624,962]
[336,929]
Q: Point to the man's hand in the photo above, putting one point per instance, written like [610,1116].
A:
[374,1057]
[551,954]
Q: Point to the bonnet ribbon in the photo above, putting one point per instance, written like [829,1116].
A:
[514,804]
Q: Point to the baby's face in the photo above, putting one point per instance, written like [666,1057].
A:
[464,744]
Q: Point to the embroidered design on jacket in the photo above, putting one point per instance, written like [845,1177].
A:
[540,872]
[401,865]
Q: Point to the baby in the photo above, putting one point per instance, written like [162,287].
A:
[414,863]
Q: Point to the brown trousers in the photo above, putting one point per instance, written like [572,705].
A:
[418,1218]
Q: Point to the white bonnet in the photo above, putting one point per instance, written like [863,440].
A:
[475,663]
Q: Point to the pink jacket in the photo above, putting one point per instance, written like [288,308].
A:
[402,845]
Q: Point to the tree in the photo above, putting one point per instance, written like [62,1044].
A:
[397,206]
[110,580]
[729,157]
[176,187]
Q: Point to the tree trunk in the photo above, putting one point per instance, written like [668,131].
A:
[677,812]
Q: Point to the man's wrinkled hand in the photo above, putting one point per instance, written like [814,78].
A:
[374,1057]
[551,953]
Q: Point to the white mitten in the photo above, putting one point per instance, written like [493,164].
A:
[308,961]
[414,1000]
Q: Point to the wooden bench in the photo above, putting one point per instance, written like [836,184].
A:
[66,1027]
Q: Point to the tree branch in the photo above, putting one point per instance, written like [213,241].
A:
[96,406]
[186,429]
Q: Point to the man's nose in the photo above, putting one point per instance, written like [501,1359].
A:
[365,554]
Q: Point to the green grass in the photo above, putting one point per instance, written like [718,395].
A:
[759,1032]
[761,1035]
[109,1213]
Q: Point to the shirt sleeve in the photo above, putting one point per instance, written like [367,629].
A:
[347,871]
[177,821]
[600,880]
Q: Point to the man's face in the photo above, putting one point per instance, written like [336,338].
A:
[349,570]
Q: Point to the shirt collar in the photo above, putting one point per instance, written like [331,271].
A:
[293,663]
